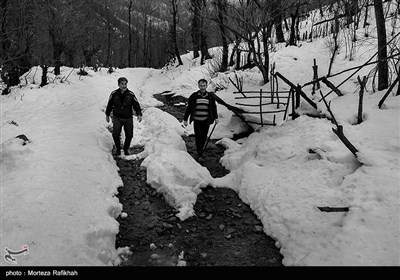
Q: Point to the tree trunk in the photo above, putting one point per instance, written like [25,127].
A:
[398,81]
[145,40]
[221,7]
[235,51]
[366,15]
[5,43]
[335,42]
[292,38]
[321,12]
[203,35]
[44,75]
[286,24]
[383,69]
[57,52]
[109,30]
[196,27]
[266,56]
[278,28]
[130,33]
[398,7]
[173,31]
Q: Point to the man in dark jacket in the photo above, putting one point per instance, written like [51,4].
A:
[121,104]
[202,109]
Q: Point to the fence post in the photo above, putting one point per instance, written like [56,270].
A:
[298,96]
[287,104]
[293,104]
[261,116]
[272,76]
[272,80]
[360,103]
[316,84]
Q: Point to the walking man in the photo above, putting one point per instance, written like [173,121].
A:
[121,104]
[202,109]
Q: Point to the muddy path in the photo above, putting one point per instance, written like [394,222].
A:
[224,232]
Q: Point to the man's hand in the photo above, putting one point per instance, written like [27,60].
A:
[185,123]
[139,118]
[216,121]
[108,119]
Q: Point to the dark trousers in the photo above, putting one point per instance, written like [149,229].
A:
[200,132]
[118,123]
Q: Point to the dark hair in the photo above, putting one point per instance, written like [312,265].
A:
[122,79]
[202,81]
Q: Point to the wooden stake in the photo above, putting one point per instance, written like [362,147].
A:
[339,130]
[261,116]
[360,104]
[388,92]
[331,86]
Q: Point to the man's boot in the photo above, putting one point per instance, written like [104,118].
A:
[117,142]
[127,145]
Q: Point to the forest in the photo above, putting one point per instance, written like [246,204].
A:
[133,33]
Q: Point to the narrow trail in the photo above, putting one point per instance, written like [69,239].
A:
[224,232]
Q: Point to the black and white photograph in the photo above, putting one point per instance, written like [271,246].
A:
[198,134]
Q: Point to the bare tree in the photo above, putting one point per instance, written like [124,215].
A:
[221,10]
[130,33]
[146,10]
[383,69]
[278,16]
[249,21]
[173,30]
[203,33]
[18,21]
[294,15]
[194,7]
[334,46]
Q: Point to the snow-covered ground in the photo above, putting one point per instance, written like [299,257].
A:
[58,191]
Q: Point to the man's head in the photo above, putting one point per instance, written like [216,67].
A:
[203,85]
[123,83]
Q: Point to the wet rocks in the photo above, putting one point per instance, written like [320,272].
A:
[224,231]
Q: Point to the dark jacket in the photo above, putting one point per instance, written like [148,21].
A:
[121,104]
[191,107]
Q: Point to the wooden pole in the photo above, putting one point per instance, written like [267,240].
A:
[298,97]
[287,105]
[331,86]
[387,93]
[360,104]
[316,84]
[297,89]
[261,115]
[293,105]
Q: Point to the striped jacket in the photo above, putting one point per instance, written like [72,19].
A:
[191,107]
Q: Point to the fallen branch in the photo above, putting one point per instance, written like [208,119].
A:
[331,86]
[297,89]
[62,80]
[388,92]
[339,130]
[239,112]
[333,209]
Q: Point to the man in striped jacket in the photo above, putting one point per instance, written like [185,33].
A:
[202,109]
